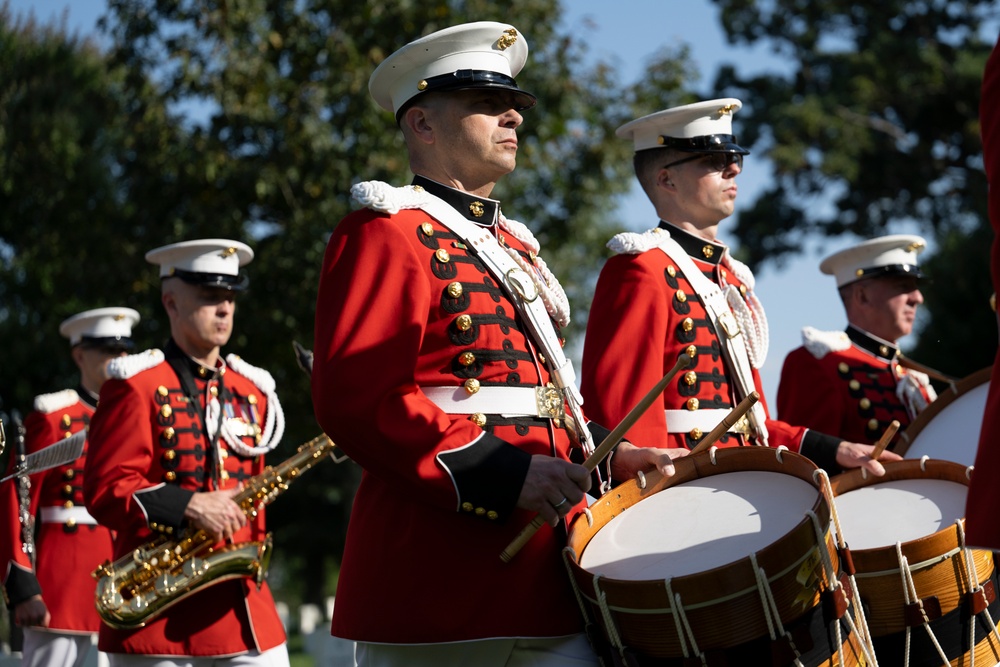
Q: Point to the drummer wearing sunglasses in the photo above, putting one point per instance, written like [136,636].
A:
[676,290]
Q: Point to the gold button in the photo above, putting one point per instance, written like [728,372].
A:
[681,296]
[463,323]
[471,385]
[467,507]
[170,476]
[422,85]
[854,385]
[202,371]
[743,290]
[843,367]
[168,433]
[68,490]
[170,455]
[166,411]
[696,433]
[223,475]
[67,434]
[427,228]
[865,403]
[873,424]
[478,418]
[455,290]
[690,378]
[883,350]
[466,358]
[162,391]
[442,255]
[71,523]
[66,421]
[859,272]
[687,324]
[223,454]
[480,511]
[691,351]
[692,404]
[708,251]
[252,399]
[477,209]
[532,256]
[69,504]
[69,474]
[154,525]
[671,271]
[492,516]
[213,390]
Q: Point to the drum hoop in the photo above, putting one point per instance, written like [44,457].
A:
[944,399]
[924,550]
[737,574]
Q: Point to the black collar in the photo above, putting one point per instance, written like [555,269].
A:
[695,246]
[872,343]
[468,205]
[180,360]
[86,397]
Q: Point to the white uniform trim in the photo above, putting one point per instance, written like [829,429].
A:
[504,401]
[58,400]
[79,515]
[685,421]
[123,368]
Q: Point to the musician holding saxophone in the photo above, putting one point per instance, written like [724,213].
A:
[46,581]
[176,433]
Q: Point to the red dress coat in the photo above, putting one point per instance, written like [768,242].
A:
[66,551]
[981,525]
[849,383]
[403,305]
[646,314]
[148,455]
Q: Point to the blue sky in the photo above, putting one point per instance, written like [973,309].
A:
[628,33]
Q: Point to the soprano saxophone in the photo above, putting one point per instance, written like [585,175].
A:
[138,587]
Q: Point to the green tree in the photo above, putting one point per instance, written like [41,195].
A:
[874,130]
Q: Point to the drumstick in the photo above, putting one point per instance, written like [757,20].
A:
[884,440]
[926,370]
[609,443]
[727,422]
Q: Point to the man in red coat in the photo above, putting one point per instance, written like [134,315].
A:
[439,369]
[175,435]
[675,289]
[981,524]
[46,582]
[852,382]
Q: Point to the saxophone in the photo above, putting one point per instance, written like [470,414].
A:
[138,587]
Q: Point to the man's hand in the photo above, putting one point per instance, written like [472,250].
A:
[32,612]
[216,513]
[628,460]
[553,487]
[856,455]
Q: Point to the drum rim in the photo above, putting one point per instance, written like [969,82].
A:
[944,399]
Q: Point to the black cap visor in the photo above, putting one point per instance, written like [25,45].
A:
[470,79]
[709,143]
[111,344]
[220,280]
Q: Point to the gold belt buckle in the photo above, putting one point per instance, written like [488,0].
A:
[728,323]
[742,426]
[549,402]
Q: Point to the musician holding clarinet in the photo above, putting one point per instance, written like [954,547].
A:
[46,582]
[176,434]
[439,369]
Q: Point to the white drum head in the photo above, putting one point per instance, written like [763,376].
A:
[953,433]
[900,511]
[699,525]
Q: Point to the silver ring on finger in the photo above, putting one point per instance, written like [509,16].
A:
[560,503]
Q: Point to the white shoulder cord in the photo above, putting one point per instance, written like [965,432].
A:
[274,421]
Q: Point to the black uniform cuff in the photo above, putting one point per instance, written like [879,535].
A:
[164,505]
[488,476]
[21,584]
[822,450]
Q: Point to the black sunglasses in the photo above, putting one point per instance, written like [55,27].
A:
[719,160]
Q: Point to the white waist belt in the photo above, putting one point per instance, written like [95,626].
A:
[685,421]
[63,514]
[543,402]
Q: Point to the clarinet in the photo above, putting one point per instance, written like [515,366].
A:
[24,514]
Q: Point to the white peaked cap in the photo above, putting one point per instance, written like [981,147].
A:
[101,326]
[213,262]
[885,255]
[484,54]
[702,127]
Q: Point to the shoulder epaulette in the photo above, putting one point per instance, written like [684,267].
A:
[123,368]
[258,376]
[821,343]
[634,243]
[380,196]
[57,400]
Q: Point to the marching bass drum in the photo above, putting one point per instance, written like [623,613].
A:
[730,559]
[948,428]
